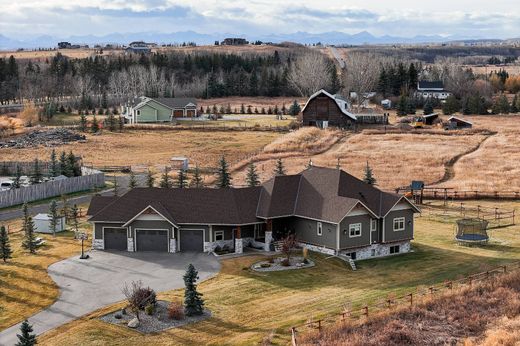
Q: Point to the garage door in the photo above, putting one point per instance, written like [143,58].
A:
[152,240]
[115,239]
[192,240]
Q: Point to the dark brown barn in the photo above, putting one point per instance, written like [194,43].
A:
[324,110]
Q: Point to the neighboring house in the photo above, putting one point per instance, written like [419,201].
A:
[138,50]
[324,109]
[234,41]
[432,89]
[455,123]
[156,110]
[327,209]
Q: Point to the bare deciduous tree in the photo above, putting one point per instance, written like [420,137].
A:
[361,74]
[309,73]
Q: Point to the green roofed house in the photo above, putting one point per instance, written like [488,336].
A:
[159,110]
[327,209]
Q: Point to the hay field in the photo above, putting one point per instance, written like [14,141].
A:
[496,165]
[396,159]
[155,147]
[259,102]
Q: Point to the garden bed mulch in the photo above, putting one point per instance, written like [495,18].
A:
[157,322]
[295,263]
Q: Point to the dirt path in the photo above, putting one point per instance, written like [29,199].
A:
[449,167]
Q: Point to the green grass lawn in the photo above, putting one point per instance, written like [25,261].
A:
[250,307]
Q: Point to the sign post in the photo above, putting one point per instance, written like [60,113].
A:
[83,236]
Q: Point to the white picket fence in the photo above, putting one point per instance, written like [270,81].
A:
[50,189]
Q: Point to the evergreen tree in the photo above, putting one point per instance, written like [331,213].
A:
[29,242]
[428,107]
[26,338]
[501,105]
[112,123]
[73,168]
[132,181]
[252,176]
[17,177]
[150,180]
[193,302]
[223,176]
[242,109]
[82,122]
[402,105]
[5,169]
[5,246]
[37,175]
[197,180]
[74,213]
[451,105]
[94,127]
[369,176]
[514,105]
[64,166]
[279,169]
[165,182]
[181,179]
[53,217]
[54,169]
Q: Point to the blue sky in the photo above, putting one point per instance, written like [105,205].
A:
[62,18]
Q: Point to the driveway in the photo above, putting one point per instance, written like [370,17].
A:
[87,285]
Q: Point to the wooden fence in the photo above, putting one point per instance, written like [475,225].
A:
[442,193]
[51,189]
[408,299]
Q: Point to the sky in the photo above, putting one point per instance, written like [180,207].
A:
[63,18]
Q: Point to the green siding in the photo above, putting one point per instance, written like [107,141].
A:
[154,112]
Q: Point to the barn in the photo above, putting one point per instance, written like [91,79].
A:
[324,109]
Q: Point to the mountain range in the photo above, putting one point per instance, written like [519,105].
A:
[332,37]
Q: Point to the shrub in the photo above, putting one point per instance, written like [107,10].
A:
[139,297]
[149,309]
[175,311]
[285,262]
[118,316]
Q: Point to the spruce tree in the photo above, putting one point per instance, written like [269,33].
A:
[53,217]
[223,176]
[29,242]
[54,169]
[279,168]
[197,180]
[94,127]
[5,169]
[26,338]
[428,107]
[150,180]
[132,181]
[82,122]
[36,176]
[402,105]
[181,179]
[17,177]
[165,182]
[193,302]
[514,105]
[5,246]
[252,176]
[369,176]
[73,168]
[74,218]
[64,165]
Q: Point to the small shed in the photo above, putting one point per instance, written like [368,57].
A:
[386,104]
[455,123]
[430,119]
[42,223]
[179,162]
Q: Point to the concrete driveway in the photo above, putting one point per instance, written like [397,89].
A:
[87,285]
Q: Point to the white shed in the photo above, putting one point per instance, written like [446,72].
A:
[42,223]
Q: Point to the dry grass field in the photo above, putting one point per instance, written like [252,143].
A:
[251,308]
[486,70]
[26,288]
[155,147]
[258,102]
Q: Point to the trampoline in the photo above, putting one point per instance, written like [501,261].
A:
[472,231]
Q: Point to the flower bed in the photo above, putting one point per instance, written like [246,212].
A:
[155,322]
[276,264]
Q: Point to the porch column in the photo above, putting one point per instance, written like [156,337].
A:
[239,244]
[268,235]
[173,241]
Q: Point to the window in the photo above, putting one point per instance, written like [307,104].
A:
[399,224]
[394,249]
[219,235]
[354,230]
[373,224]
[373,252]
[320,228]
[259,231]
[352,255]
[138,112]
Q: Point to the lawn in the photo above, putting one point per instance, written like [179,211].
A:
[26,288]
[251,307]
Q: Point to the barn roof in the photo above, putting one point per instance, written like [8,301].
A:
[340,101]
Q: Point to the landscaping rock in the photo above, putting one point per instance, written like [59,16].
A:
[48,138]
[134,323]
[278,264]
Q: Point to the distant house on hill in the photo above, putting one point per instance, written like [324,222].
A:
[432,89]
[234,41]
[138,50]
[64,45]
[159,110]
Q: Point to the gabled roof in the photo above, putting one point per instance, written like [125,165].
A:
[169,102]
[338,99]
[459,120]
[98,202]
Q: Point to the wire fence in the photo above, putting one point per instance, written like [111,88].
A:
[410,299]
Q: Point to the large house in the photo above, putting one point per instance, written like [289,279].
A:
[156,110]
[433,89]
[327,209]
